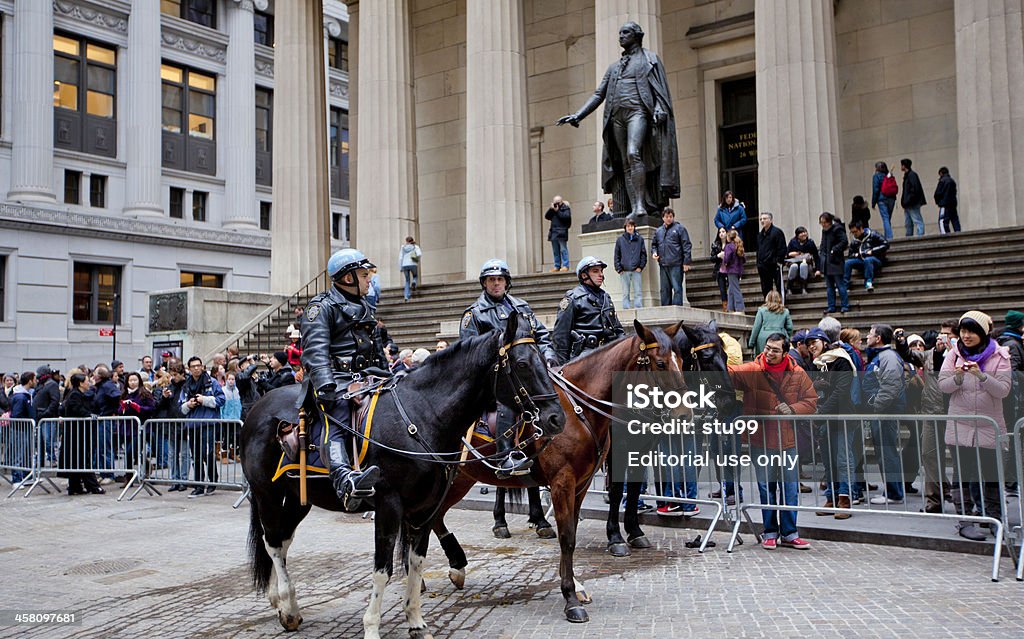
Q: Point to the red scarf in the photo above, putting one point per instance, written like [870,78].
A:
[777,371]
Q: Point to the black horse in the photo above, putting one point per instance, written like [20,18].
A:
[701,350]
[416,440]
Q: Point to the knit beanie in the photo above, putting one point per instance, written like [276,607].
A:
[983,320]
[281,357]
[1014,320]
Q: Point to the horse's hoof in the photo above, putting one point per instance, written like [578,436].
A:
[419,633]
[584,597]
[501,532]
[576,614]
[458,577]
[423,586]
[618,550]
[547,532]
[640,542]
[289,622]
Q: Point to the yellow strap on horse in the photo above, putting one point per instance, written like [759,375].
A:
[644,347]
[366,431]
[695,349]
[524,340]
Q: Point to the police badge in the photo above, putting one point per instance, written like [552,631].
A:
[466,319]
[312,312]
[564,304]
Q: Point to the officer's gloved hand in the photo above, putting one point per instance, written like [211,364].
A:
[552,360]
[327,396]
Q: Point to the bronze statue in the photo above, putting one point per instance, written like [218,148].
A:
[640,163]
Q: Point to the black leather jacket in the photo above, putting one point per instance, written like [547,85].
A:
[283,377]
[339,339]
[486,314]
[586,319]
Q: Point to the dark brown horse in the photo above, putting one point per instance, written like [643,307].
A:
[569,460]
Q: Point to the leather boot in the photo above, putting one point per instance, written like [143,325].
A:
[844,502]
[972,531]
[514,463]
[725,307]
[353,487]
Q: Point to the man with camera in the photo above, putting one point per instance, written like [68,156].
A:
[560,216]
[201,399]
[281,373]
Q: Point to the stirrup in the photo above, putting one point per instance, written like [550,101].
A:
[515,465]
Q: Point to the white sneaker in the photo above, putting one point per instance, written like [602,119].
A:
[881,500]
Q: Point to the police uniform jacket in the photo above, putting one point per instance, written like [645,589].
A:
[486,314]
[339,339]
[587,315]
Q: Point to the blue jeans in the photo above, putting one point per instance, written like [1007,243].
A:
[48,433]
[885,206]
[676,481]
[560,249]
[870,265]
[18,449]
[886,436]
[914,221]
[672,285]
[181,456]
[410,274]
[105,453]
[833,282]
[777,523]
[838,456]
[631,289]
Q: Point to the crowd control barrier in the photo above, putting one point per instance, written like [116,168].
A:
[1015,440]
[105,446]
[211,447]
[18,452]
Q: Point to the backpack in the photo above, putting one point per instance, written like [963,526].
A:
[889,186]
[856,391]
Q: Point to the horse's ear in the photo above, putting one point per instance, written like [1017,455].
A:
[713,327]
[641,331]
[512,327]
[673,330]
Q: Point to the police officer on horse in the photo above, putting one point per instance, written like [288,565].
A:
[339,341]
[586,315]
[491,311]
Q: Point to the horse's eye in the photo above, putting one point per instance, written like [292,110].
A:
[521,365]
[661,364]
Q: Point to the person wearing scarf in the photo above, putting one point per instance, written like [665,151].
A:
[202,398]
[976,375]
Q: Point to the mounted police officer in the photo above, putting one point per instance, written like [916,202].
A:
[339,342]
[586,315]
[491,311]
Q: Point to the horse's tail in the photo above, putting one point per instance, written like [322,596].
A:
[260,564]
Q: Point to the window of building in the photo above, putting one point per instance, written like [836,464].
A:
[97,291]
[264,136]
[98,191]
[188,119]
[177,202]
[265,215]
[72,187]
[206,280]
[202,12]
[84,95]
[337,54]
[199,202]
[339,226]
[263,28]
[338,148]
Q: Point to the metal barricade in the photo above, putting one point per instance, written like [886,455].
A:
[104,446]
[18,452]
[1015,440]
[839,457]
[210,447]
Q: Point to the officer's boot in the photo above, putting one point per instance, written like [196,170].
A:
[352,486]
[515,463]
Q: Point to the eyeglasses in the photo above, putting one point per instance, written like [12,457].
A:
[770,349]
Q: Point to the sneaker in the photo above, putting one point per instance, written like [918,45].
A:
[210,489]
[857,501]
[805,489]
[198,492]
[691,513]
[827,504]
[797,543]
[769,544]
[869,287]
[881,500]
[844,311]
[671,510]
[827,311]
[564,269]
[644,508]
[106,481]
[730,500]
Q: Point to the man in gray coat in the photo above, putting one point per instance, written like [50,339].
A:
[670,248]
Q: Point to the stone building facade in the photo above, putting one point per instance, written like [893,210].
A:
[789,103]
[136,139]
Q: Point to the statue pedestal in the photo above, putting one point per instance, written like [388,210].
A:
[601,244]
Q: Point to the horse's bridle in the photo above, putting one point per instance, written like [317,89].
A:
[525,403]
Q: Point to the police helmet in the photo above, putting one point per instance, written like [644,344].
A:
[346,261]
[586,264]
[496,267]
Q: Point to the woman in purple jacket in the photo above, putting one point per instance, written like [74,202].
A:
[733,259]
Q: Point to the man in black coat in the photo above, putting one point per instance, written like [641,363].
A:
[560,216]
[912,199]
[771,253]
[831,258]
[586,315]
[945,199]
[46,401]
[282,374]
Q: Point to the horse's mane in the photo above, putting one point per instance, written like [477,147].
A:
[442,359]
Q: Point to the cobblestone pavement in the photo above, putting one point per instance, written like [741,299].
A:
[172,567]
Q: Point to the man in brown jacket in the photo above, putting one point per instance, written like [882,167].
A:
[773,384]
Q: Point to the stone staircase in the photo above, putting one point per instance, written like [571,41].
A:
[926,280]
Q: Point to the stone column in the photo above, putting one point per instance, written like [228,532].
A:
[498,203]
[797,111]
[386,183]
[142,153]
[32,103]
[609,15]
[239,127]
[990,114]
[300,231]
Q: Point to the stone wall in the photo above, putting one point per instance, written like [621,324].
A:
[897,94]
